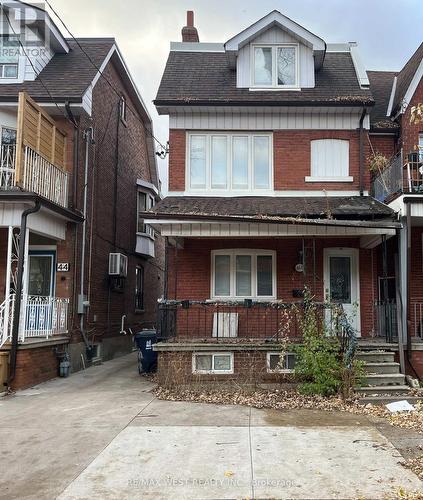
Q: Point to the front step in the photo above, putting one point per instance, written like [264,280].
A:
[386,368]
[375,356]
[383,389]
[386,399]
[383,379]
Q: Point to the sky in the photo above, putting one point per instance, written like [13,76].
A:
[387,31]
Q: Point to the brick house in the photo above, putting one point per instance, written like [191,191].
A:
[269,192]
[77,150]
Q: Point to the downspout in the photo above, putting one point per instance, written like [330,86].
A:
[89,139]
[19,287]
[361,153]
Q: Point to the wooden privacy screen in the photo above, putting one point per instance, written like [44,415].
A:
[38,130]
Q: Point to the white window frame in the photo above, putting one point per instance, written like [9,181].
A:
[229,152]
[281,370]
[274,84]
[213,354]
[324,178]
[3,71]
[149,231]
[242,251]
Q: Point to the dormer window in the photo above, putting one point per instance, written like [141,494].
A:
[275,66]
[9,56]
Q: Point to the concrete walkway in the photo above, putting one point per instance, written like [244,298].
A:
[101,434]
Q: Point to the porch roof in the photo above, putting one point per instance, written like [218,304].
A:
[267,208]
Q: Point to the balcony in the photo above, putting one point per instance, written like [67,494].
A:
[36,162]
[41,317]
[401,175]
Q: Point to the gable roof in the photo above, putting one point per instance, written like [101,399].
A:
[406,76]
[275,18]
[205,78]
[381,83]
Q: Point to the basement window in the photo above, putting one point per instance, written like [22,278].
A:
[218,362]
[280,362]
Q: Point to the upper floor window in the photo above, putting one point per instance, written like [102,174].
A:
[330,161]
[275,66]
[139,288]
[9,56]
[230,162]
[145,202]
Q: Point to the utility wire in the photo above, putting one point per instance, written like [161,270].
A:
[164,148]
[33,67]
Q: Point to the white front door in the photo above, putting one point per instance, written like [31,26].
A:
[342,283]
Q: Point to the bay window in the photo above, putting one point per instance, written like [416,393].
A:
[224,162]
[275,66]
[144,202]
[243,274]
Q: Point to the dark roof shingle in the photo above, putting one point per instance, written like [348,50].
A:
[406,75]
[66,76]
[206,78]
[381,87]
[352,207]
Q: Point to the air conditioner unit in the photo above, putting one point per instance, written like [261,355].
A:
[118,265]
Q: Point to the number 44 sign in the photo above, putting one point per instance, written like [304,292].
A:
[62,267]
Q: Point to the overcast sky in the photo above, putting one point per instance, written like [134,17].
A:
[387,31]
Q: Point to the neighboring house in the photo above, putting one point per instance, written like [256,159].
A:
[269,192]
[77,149]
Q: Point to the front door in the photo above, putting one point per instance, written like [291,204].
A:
[341,281]
[39,305]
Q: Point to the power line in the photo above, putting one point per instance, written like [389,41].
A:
[164,148]
[37,74]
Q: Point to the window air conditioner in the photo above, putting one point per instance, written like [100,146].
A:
[118,265]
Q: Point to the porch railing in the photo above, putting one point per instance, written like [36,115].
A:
[386,325]
[41,317]
[402,175]
[7,166]
[42,177]
[416,311]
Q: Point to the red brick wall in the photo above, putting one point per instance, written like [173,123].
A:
[34,366]
[410,132]
[384,144]
[292,156]
[190,269]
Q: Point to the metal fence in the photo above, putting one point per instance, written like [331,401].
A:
[386,325]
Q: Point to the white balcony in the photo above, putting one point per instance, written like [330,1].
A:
[41,317]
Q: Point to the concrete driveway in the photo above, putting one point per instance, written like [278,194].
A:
[101,434]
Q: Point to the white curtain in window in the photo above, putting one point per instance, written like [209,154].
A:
[243,275]
[261,162]
[219,166]
[222,273]
[240,163]
[263,66]
[198,161]
[330,158]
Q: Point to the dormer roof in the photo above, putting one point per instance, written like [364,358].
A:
[275,18]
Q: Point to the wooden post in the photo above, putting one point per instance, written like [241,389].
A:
[19,139]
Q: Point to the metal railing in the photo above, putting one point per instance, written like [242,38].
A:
[416,311]
[386,325]
[414,167]
[41,317]
[7,166]
[390,181]
[42,177]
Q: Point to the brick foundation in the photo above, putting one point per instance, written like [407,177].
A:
[34,366]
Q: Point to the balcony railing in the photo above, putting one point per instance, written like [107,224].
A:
[416,319]
[7,166]
[386,325]
[402,175]
[41,317]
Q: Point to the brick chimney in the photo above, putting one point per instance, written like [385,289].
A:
[189,32]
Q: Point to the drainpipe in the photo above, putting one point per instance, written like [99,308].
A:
[361,153]
[89,140]
[19,286]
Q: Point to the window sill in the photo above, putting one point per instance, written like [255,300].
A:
[213,372]
[139,311]
[329,179]
[146,235]
[273,89]
[280,371]
[240,300]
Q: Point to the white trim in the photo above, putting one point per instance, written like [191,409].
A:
[147,185]
[208,190]
[354,255]
[286,24]
[213,354]
[278,353]
[359,67]
[253,253]
[391,98]
[271,193]
[338,47]
[274,85]
[418,75]
[329,179]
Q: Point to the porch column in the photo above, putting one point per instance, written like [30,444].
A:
[403,279]
[25,276]
[5,334]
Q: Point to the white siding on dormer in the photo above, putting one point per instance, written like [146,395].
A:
[276,35]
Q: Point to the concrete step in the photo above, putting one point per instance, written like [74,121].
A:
[380,379]
[386,367]
[383,389]
[386,399]
[375,356]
